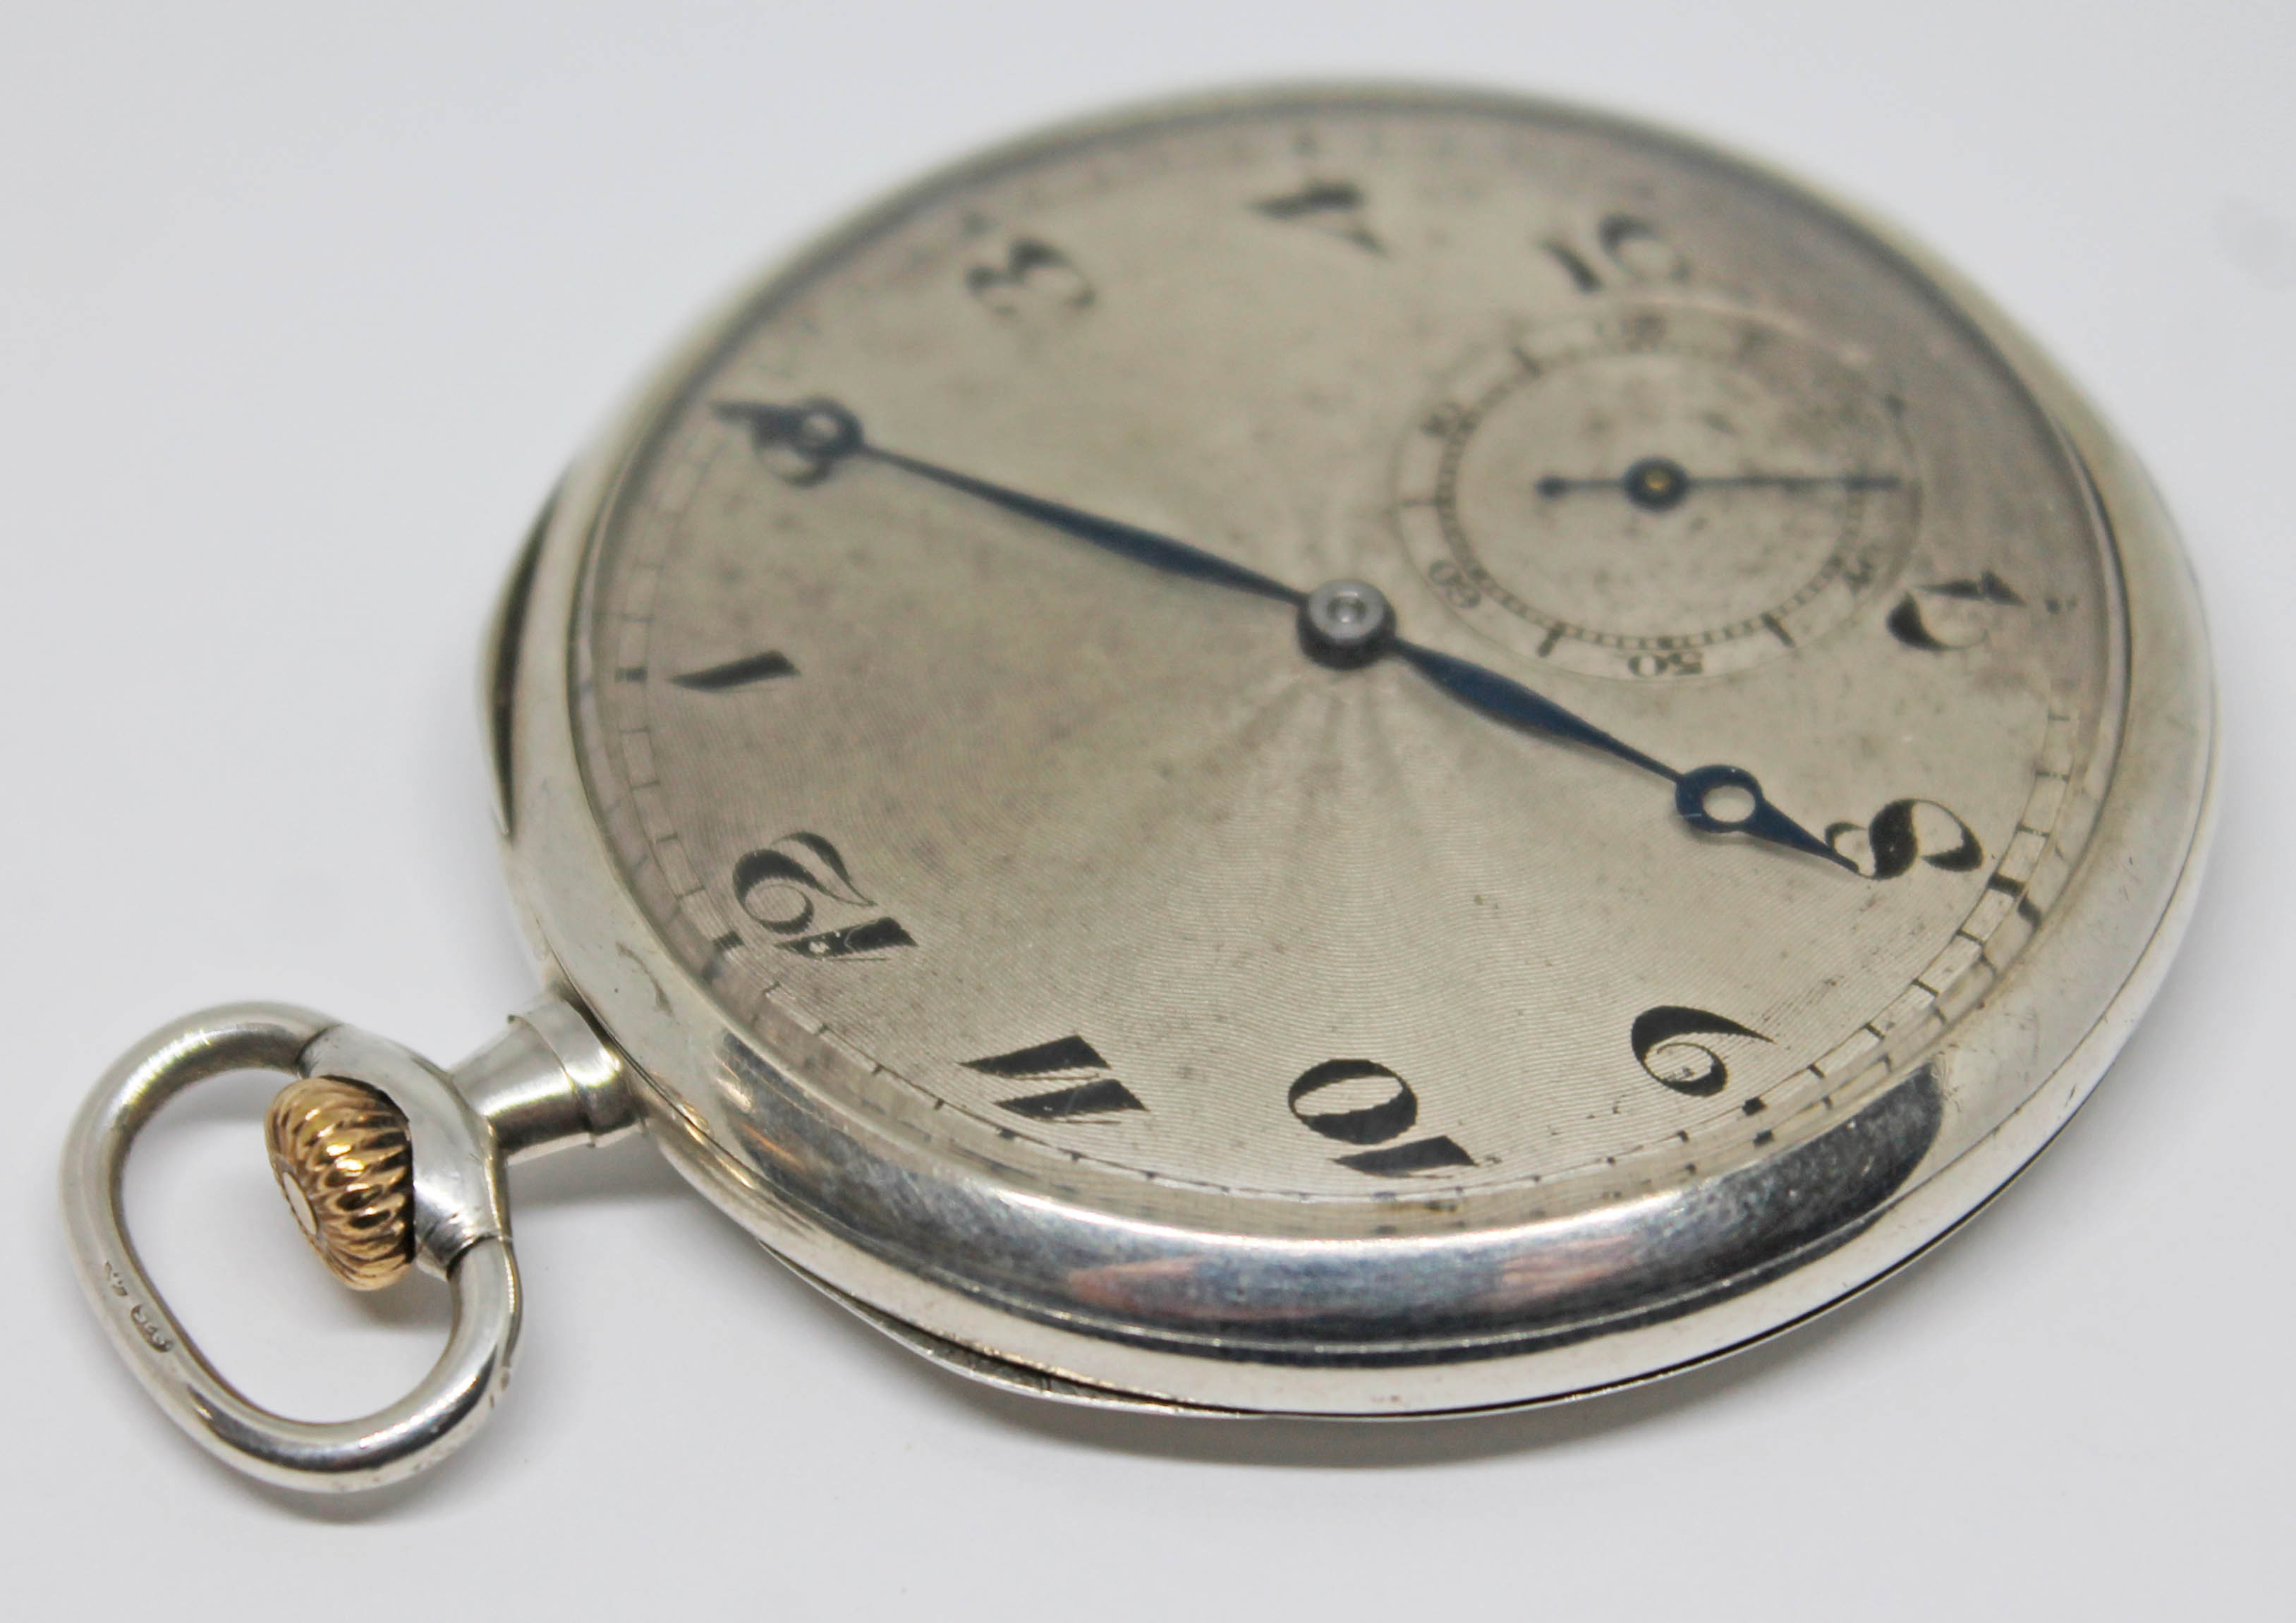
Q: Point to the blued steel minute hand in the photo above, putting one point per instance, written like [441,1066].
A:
[819,434]
[1344,623]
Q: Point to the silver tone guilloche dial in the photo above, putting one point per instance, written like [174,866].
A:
[1102,862]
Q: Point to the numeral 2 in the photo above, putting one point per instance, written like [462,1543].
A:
[782,885]
[1361,1101]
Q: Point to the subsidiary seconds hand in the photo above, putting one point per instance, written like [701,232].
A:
[1657,483]
[1342,623]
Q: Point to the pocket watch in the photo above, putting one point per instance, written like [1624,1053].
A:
[1352,752]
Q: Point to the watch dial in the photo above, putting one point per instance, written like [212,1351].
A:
[1718,668]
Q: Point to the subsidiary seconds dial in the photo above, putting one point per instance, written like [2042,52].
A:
[1660,490]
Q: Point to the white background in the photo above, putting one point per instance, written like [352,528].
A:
[301,310]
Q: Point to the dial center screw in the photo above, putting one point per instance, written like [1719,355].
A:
[1657,483]
[1345,623]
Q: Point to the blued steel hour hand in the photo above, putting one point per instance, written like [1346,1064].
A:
[1719,799]
[1342,623]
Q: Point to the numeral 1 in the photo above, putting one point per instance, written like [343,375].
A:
[743,672]
[1334,206]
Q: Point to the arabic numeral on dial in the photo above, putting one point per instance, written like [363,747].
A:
[1666,662]
[872,938]
[745,672]
[1625,249]
[1087,1090]
[1032,276]
[1636,248]
[1904,832]
[1361,1101]
[784,886]
[1443,421]
[1661,1037]
[1336,208]
[779,885]
[1952,614]
[1448,578]
[801,444]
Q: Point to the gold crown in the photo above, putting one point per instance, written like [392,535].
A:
[340,1153]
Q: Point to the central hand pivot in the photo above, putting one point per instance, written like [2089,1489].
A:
[1345,623]
[1342,623]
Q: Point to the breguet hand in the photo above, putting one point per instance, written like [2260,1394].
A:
[1712,799]
[1342,623]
